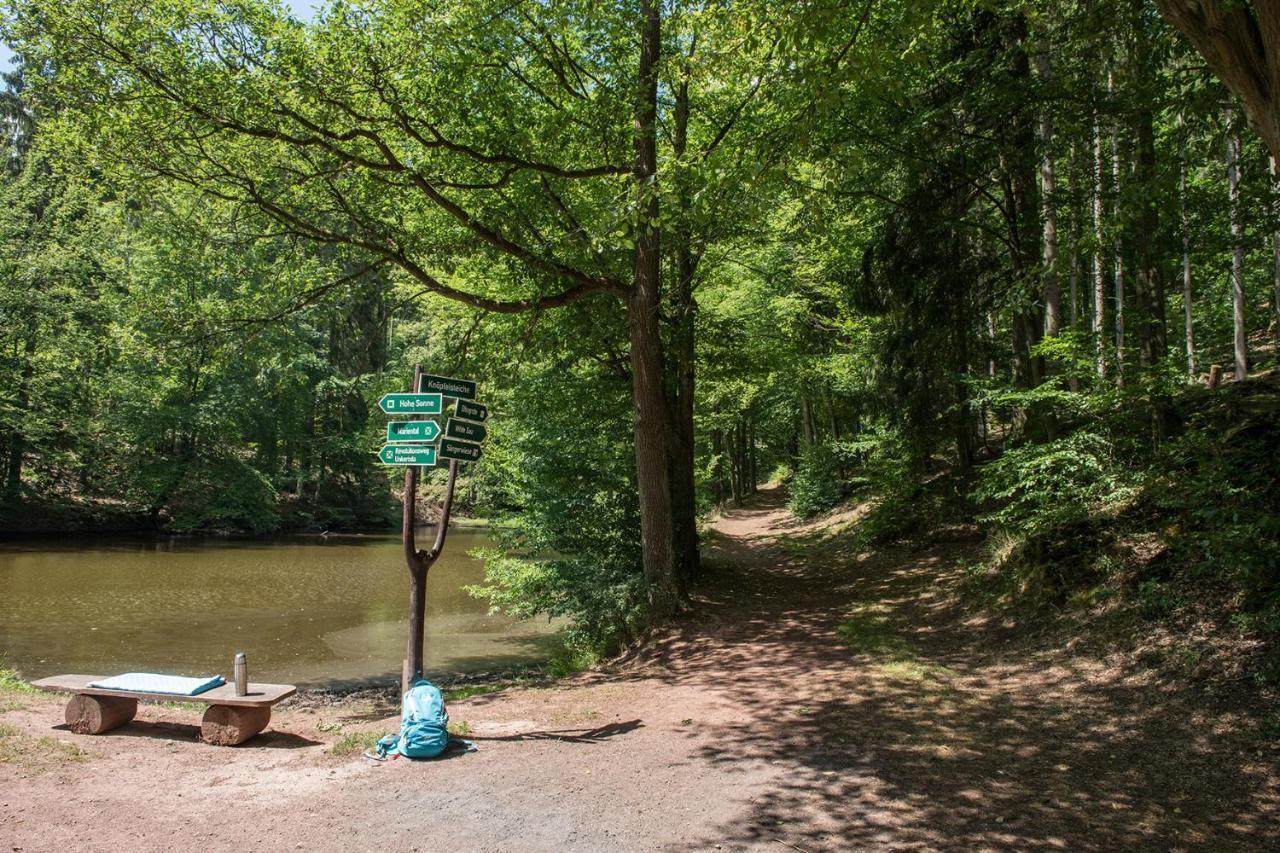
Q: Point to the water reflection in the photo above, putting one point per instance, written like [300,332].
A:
[305,609]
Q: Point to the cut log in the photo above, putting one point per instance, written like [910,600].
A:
[228,725]
[93,715]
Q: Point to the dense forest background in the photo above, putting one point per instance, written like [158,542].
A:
[1011,265]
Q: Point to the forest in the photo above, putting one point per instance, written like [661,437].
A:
[1008,266]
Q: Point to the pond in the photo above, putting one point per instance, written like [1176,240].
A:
[308,610]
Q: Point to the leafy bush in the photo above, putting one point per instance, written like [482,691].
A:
[815,487]
[223,494]
[563,484]
[1217,490]
[1041,487]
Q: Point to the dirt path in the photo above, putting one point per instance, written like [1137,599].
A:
[816,700]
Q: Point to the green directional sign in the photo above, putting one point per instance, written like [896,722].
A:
[464,430]
[411,404]
[413,431]
[457,389]
[471,411]
[464,451]
[407,454]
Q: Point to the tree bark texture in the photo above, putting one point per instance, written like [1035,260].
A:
[1099,261]
[1189,330]
[649,400]
[1240,42]
[1049,203]
[1240,348]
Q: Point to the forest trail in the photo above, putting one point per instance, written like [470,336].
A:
[815,699]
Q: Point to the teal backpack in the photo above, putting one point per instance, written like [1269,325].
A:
[424,724]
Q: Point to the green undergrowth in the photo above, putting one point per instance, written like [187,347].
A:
[1180,535]
[354,743]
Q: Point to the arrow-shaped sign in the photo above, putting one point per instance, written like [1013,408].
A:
[462,450]
[408,454]
[411,404]
[458,389]
[471,411]
[413,431]
[465,430]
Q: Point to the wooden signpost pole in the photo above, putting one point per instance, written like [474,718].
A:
[419,562]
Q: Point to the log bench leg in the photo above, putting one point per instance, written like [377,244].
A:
[228,725]
[93,715]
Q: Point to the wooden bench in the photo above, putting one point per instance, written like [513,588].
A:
[229,720]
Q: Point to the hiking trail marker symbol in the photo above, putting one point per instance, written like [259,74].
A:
[462,451]
[471,411]
[411,404]
[408,454]
[402,431]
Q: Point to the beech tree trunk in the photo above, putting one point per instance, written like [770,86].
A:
[1240,42]
[1239,344]
[717,466]
[656,532]
[1275,251]
[1149,281]
[1117,214]
[682,359]
[1076,231]
[1188,322]
[1099,276]
[1048,195]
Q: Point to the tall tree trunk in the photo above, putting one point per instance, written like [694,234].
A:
[717,466]
[1048,196]
[1099,261]
[1117,222]
[1239,344]
[1149,286]
[1149,277]
[1018,160]
[1188,322]
[656,533]
[807,421]
[1275,251]
[682,359]
[1076,232]
[735,464]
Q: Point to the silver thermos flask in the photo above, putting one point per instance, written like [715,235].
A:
[241,672]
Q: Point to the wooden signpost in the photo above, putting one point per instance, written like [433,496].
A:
[409,444]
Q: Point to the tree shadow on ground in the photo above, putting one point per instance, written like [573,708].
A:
[592,735]
[910,723]
[159,730]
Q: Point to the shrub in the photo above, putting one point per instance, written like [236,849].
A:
[815,487]
[1042,487]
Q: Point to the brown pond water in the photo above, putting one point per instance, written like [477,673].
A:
[307,610]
